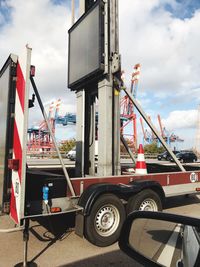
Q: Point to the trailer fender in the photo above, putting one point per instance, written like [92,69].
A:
[89,196]
[150,184]
[123,191]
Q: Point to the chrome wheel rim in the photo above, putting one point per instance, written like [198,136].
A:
[148,205]
[107,220]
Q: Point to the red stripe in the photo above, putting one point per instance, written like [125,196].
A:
[173,178]
[17,149]
[140,149]
[13,209]
[141,165]
[20,84]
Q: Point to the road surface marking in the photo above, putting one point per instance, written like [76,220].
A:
[166,256]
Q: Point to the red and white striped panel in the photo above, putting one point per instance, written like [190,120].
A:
[18,145]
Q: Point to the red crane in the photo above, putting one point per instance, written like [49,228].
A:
[39,139]
[128,117]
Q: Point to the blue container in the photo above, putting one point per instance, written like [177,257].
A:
[45,191]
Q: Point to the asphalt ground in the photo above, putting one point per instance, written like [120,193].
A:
[53,242]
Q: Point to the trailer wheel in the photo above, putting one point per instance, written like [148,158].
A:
[146,200]
[103,225]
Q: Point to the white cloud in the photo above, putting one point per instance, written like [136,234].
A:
[182,123]
[166,47]
[43,26]
[180,119]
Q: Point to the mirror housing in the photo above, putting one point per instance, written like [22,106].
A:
[147,221]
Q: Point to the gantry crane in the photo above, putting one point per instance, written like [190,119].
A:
[147,136]
[169,137]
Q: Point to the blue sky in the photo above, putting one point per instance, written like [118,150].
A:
[183,9]
[162,35]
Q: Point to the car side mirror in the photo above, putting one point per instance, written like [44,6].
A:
[161,239]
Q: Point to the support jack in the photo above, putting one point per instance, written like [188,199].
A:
[25,263]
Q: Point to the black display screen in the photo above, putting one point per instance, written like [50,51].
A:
[86,45]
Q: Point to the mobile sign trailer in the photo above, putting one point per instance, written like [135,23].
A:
[101,203]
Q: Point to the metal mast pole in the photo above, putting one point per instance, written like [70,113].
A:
[80,116]
[73,11]
[109,112]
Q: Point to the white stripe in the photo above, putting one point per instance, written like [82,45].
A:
[180,189]
[141,171]
[168,251]
[140,157]
[19,118]
[17,188]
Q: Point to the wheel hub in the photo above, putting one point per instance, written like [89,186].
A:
[107,220]
[148,205]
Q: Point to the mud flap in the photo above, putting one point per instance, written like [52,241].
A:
[79,223]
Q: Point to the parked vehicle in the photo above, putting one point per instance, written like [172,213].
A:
[71,153]
[187,156]
[165,155]
[161,231]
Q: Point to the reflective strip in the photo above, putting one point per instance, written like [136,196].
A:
[141,171]
[140,157]
[15,204]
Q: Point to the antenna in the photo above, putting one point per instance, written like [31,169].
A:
[73,11]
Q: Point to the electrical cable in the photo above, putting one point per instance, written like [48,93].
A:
[11,230]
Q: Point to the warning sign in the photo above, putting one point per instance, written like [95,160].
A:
[193,177]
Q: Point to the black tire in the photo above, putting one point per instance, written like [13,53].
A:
[104,233]
[144,200]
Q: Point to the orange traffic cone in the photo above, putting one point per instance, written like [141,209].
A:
[141,167]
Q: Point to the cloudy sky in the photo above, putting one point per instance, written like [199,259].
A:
[162,35]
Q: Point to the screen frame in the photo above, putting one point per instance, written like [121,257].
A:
[95,74]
